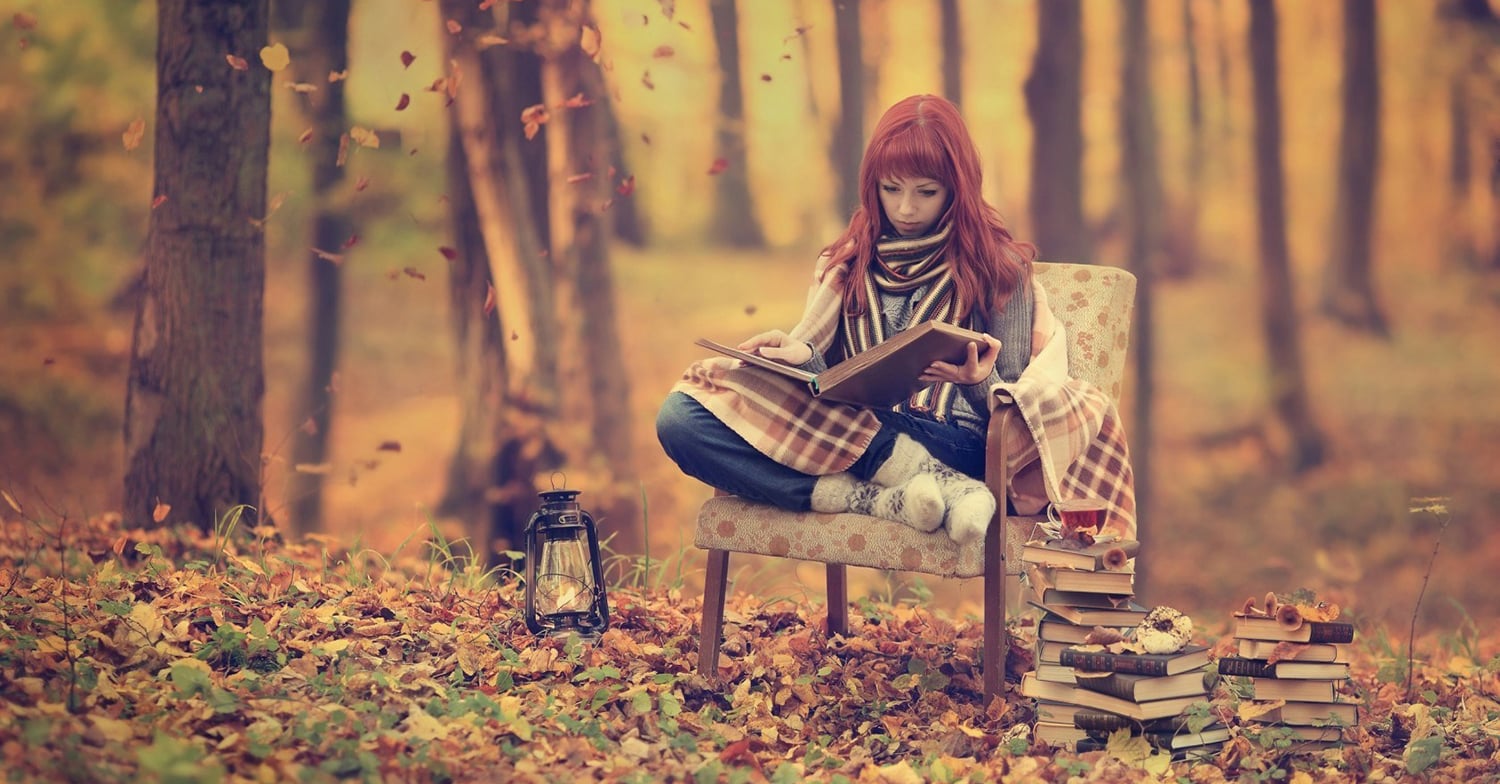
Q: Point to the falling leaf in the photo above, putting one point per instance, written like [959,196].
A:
[336,258]
[626,186]
[490,39]
[663,52]
[48,361]
[797,33]
[11,500]
[301,88]
[646,80]
[23,21]
[438,85]
[448,253]
[455,79]
[313,468]
[765,77]
[718,166]
[306,136]
[361,183]
[412,272]
[275,57]
[160,199]
[134,133]
[389,446]
[590,41]
[485,5]
[750,310]
[343,155]
[489,299]
[668,8]
[533,117]
[576,102]
[685,26]
[403,102]
[646,139]
[365,137]
[407,58]
[351,242]
[237,63]
[577,178]
[161,511]
[454,28]
[310,426]
[338,76]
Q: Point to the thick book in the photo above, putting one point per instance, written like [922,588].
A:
[1062,736]
[1299,691]
[1198,752]
[1311,714]
[1044,578]
[881,376]
[1178,740]
[1292,669]
[1100,721]
[1296,651]
[1054,629]
[1032,687]
[1055,673]
[1146,688]
[1249,627]
[1105,554]
[1129,614]
[1191,657]
[1059,712]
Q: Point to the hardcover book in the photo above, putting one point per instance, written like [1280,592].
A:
[1099,721]
[1191,657]
[1045,578]
[1314,714]
[880,377]
[1293,651]
[1128,615]
[1105,554]
[1032,687]
[1300,691]
[1055,673]
[1063,736]
[1054,629]
[1145,688]
[1287,669]
[1257,628]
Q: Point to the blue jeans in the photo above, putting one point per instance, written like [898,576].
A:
[706,449]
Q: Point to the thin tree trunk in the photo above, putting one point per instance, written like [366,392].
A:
[321,35]
[1288,381]
[734,221]
[1054,101]
[849,135]
[953,51]
[1181,259]
[193,430]
[1348,285]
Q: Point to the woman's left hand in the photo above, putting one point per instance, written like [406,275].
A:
[976,366]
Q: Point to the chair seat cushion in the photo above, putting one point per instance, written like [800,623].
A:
[737,525]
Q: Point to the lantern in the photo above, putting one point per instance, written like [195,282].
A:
[564,575]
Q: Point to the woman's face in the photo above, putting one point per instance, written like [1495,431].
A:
[912,204]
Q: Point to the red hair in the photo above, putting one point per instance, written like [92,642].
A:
[924,136]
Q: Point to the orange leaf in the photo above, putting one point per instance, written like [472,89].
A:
[161,511]
[454,27]
[389,446]
[24,21]
[301,88]
[411,272]
[577,178]
[533,117]
[646,80]
[448,253]
[238,64]
[335,258]
[349,243]
[361,183]
[718,167]
[576,102]
[338,76]
[305,137]
[134,133]
[663,52]
[407,58]
[11,500]
[485,5]
[590,40]
[627,186]
[343,150]
[490,39]
[159,200]
[489,299]
[310,427]
[404,101]
[765,77]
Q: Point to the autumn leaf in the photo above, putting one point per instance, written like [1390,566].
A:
[309,426]
[403,102]
[160,511]
[577,178]
[489,299]
[160,199]
[338,76]
[360,183]
[489,39]
[275,57]
[301,88]
[668,8]
[11,500]
[237,63]
[134,133]
[646,80]
[448,253]
[351,242]
[797,33]
[765,77]
[24,21]
[576,102]
[590,41]
[533,118]
[454,28]
[626,186]
[364,137]
[317,469]
[335,258]
[663,52]
[718,166]
[413,272]
[407,58]
[305,136]
[389,446]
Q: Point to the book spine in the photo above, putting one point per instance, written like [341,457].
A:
[1101,721]
[1111,685]
[1249,668]
[1330,631]
[1097,661]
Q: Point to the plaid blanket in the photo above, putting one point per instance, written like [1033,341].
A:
[1073,435]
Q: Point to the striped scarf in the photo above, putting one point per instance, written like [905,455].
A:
[902,265]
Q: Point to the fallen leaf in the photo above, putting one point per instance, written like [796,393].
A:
[338,76]
[361,183]
[301,88]
[237,63]
[646,80]
[407,58]
[389,446]
[160,512]
[159,200]
[454,28]
[533,118]
[412,272]
[489,299]
[577,178]
[313,468]
[718,166]
[134,133]
[663,52]
[351,242]
[797,33]
[365,137]
[24,21]
[576,102]
[489,39]
[275,57]
[626,186]
[590,41]
[305,136]
[448,253]
[668,8]
[765,77]
[403,102]
[310,426]
[336,258]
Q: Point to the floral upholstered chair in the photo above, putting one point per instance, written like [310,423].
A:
[1094,304]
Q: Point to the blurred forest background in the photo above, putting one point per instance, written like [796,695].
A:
[1308,191]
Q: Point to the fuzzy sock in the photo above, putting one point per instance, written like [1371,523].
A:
[917,502]
[969,503]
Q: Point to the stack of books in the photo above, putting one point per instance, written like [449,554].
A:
[1147,694]
[1304,667]
[1076,590]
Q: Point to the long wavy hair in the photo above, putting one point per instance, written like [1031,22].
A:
[924,136]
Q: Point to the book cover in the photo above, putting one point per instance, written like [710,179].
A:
[880,377]
[1290,669]
[1294,651]
[1050,651]
[1198,752]
[1191,657]
[1058,712]
[1145,688]
[1099,721]
[1105,554]
[1056,673]
[1299,691]
[1044,578]
[1256,628]
[1178,740]
[1313,714]
[1054,629]
[1127,615]
[1061,692]
[1063,736]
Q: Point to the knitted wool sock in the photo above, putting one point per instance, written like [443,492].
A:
[917,502]
[970,504]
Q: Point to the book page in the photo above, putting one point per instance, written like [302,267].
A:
[758,360]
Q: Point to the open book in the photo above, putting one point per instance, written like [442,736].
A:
[882,376]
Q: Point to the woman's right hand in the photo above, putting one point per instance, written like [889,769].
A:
[779,346]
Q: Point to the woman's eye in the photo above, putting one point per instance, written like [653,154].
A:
[928,193]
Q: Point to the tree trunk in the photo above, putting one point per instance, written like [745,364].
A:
[193,430]
[580,253]
[849,135]
[320,36]
[1348,285]
[953,51]
[1182,248]
[1054,102]
[1142,208]
[1289,399]
[734,221]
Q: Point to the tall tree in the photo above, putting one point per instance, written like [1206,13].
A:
[318,34]
[1288,381]
[583,194]
[1181,259]
[1142,208]
[953,50]
[849,135]
[1470,30]
[1054,102]
[193,429]
[734,221]
[1348,285]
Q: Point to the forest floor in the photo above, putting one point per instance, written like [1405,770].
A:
[177,657]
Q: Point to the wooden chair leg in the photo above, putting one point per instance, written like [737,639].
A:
[838,599]
[711,628]
[996,642]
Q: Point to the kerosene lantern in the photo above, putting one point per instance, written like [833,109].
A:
[564,575]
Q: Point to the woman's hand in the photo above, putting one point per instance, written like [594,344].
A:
[976,366]
[779,346]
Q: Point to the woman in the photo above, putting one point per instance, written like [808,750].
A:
[923,244]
